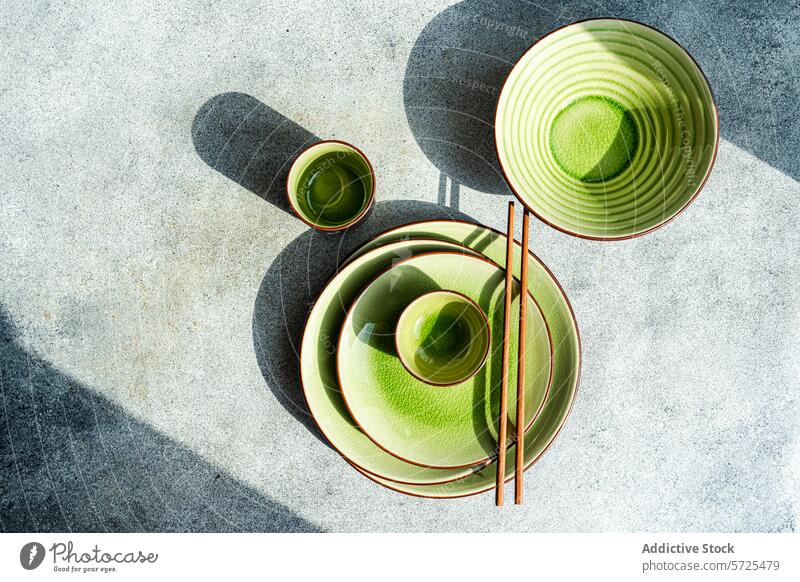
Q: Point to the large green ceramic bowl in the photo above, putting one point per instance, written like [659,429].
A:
[433,426]
[606,129]
[442,338]
[318,359]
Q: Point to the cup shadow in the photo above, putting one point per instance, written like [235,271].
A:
[292,283]
[250,143]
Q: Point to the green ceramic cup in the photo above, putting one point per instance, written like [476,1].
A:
[442,338]
[606,129]
[331,185]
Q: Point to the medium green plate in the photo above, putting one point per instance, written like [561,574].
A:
[566,348]
[606,129]
[318,364]
[444,427]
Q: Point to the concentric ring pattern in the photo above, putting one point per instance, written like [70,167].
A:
[666,98]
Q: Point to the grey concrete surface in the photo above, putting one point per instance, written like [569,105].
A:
[154,284]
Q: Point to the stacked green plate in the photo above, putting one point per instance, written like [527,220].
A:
[413,437]
[606,129]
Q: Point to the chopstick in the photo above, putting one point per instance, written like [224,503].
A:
[502,431]
[523,303]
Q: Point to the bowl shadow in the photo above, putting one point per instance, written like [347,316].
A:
[454,76]
[459,61]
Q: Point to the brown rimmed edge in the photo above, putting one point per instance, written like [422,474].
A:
[485,353]
[486,460]
[355,219]
[374,477]
[652,228]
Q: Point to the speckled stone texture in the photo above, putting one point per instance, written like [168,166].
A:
[154,285]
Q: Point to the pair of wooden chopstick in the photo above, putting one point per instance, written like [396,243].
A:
[520,420]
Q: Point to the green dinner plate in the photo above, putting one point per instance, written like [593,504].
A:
[566,349]
[444,427]
[318,365]
[606,129]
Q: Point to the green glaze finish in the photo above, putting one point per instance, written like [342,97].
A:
[442,338]
[430,425]
[318,365]
[593,138]
[566,343]
[606,129]
[330,185]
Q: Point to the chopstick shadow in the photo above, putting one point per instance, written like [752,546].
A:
[488,381]
[457,66]
[292,283]
[250,143]
[73,461]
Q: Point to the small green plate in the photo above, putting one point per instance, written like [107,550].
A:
[566,343]
[606,129]
[435,426]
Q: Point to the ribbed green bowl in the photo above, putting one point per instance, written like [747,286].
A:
[606,129]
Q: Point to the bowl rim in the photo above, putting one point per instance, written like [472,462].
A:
[371,199]
[480,257]
[698,189]
[484,357]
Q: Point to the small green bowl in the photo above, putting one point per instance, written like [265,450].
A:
[331,185]
[442,338]
[606,129]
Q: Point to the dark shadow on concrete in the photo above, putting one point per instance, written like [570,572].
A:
[457,66]
[250,143]
[452,83]
[394,299]
[71,460]
[294,280]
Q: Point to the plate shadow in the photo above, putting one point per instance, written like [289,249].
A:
[292,283]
